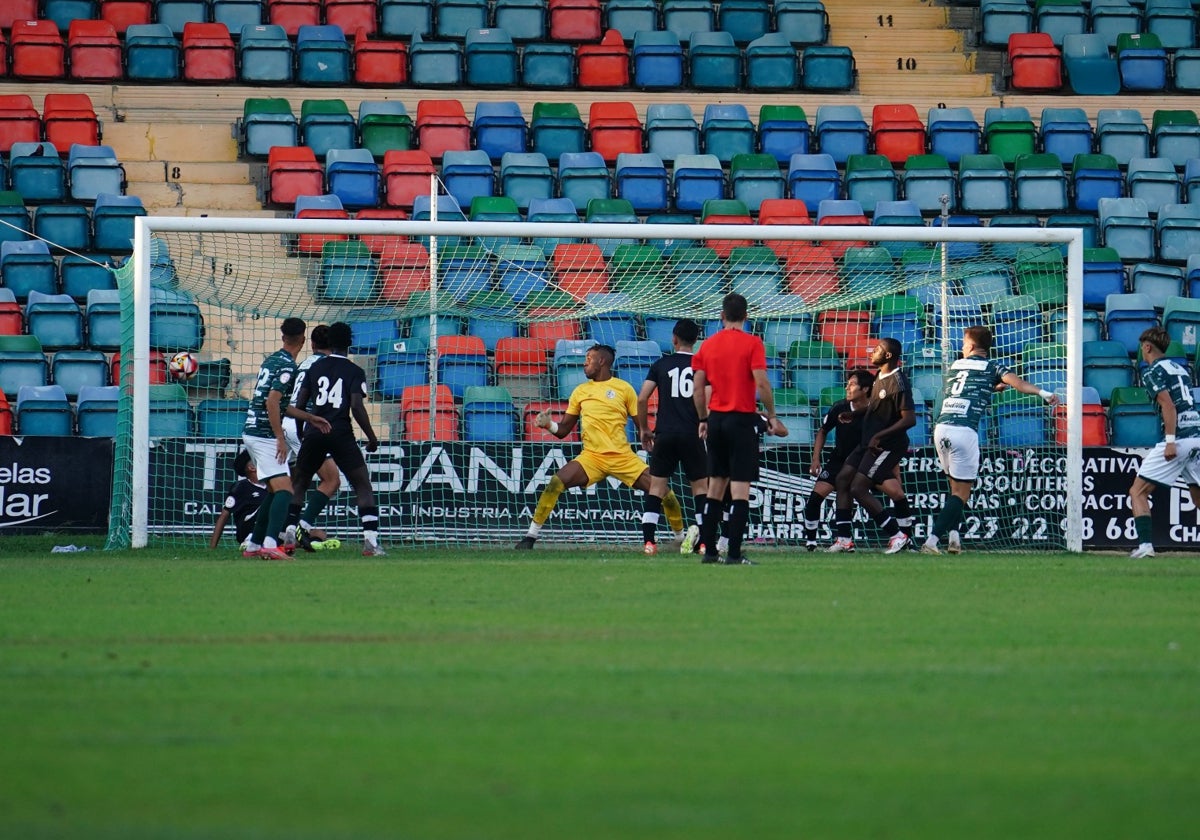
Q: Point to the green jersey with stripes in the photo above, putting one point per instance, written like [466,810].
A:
[967,390]
[278,373]
[1172,377]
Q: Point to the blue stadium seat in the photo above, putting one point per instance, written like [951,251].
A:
[1090,70]
[1103,275]
[435,63]
[327,124]
[113,222]
[813,178]
[22,362]
[926,179]
[220,418]
[467,174]
[1154,181]
[657,60]
[726,130]
[557,128]
[322,56]
[1173,21]
[491,58]
[783,131]
[405,18]
[552,210]
[1158,282]
[28,266]
[266,54]
[500,127]
[548,65]
[611,320]
[633,360]
[267,122]
[488,414]
[1122,133]
[176,322]
[92,170]
[953,132]
[583,176]
[803,22]
[523,20]
[454,17]
[461,363]
[1095,176]
[37,172]
[671,131]
[96,410]
[629,17]
[1065,132]
[44,410]
[1125,225]
[1106,366]
[55,319]
[841,131]
[399,364]
[771,63]
[1001,18]
[1110,18]
[175,13]
[829,68]
[755,178]
[1178,229]
[684,17]
[695,180]
[525,176]
[1040,184]
[642,180]
[521,270]
[1142,62]
[869,179]
[1059,18]
[170,412]
[354,177]
[67,226]
[1126,317]
[754,272]
[464,270]
[1134,420]
[714,61]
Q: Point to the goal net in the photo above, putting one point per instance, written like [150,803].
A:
[467,330]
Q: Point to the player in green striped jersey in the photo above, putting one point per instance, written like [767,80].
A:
[966,395]
[1170,387]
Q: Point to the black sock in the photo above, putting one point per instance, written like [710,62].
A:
[700,499]
[739,514]
[651,513]
[708,528]
[812,516]
[845,524]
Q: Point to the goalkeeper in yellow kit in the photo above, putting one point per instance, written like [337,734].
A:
[605,403]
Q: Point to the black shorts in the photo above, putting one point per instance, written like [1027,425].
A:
[340,446]
[878,465]
[733,445]
[830,469]
[673,451]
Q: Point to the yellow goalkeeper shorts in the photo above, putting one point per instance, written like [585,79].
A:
[625,467]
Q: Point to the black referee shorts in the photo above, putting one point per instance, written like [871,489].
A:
[674,450]
[733,445]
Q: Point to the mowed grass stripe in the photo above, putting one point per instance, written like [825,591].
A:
[597,693]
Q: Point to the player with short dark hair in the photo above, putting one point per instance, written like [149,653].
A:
[673,442]
[734,364]
[1170,388]
[241,502]
[886,419]
[605,405]
[336,389]
[966,395]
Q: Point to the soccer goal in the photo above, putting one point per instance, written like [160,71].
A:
[468,329]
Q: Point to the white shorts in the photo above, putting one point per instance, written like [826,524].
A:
[262,453]
[957,450]
[292,437]
[1158,470]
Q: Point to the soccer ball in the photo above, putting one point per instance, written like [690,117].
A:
[183,365]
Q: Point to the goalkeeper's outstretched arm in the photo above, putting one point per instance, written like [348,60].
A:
[543,420]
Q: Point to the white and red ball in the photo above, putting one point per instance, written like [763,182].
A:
[183,365]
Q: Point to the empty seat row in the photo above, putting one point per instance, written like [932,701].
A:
[1174,21]
[1139,63]
[67,119]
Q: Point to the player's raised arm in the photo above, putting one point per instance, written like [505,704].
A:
[1017,383]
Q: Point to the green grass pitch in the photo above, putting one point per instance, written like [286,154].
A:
[479,693]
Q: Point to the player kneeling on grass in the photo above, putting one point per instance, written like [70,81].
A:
[1170,387]
[966,395]
[605,403]
[242,503]
[335,390]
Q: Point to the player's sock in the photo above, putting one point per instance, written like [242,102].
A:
[902,510]
[739,515]
[700,499]
[650,516]
[261,520]
[280,501]
[708,526]
[534,530]
[725,519]
[887,524]
[548,500]
[950,516]
[316,504]
[812,516]
[293,517]
[368,518]
[844,528]
[674,512]
[1145,529]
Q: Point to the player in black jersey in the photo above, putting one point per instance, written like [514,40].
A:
[335,388]
[242,502]
[841,418]
[673,441]
[888,416]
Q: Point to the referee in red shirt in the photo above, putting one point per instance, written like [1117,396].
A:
[728,370]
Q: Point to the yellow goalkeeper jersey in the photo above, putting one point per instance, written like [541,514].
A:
[603,409]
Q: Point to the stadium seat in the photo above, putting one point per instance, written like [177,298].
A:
[1153,180]
[1181,319]
[683,17]
[1034,62]
[1142,62]
[19,121]
[170,412]
[352,15]
[897,132]
[630,17]
[841,131]
[37,172]
[69,119]
[400,364]
[94,51]
[557,210]
[327,124]
[1172,21]
[953,132]
[18,10]
[488,414]
[1134,419]
[463,269]
[353,176]
[96,410]
[176,322]
[467,174]
[726,130]
[558,410]
[1040,184]
[891,213]
[152,53]
[403,270]
[726,212]
[783,130]
[828,68]
[1090,70]
[209,54]
[602,65]
[442,124]
[462,363]
[985,184]
[38,50]
[1176,136]
[869,179]
[1040,273]
[556,128]
[435,63]
[292,14]
[1178,229]
[348,273]
[802,22]
[641,178]
[610,321]
[22,363]
[237,13]
[695,180]
[771,63]
[1157,281]
[1110,18]
[44,410]
[714,61]
[1044,364]
[175,13]
[292,171]
[67,226]
[697,272]
[1095,176]
[755,178]
[221,418]
[379,62]
[500,127]
[1125,225]
[384,126]
[266,123]
[416,418]
[999,19]
[322,56]
[633,360]
[521,270]
[657,60]
[1008,132]
[546,65]
[614,129]
[926,179]
[266,54]
[75,369]
[1059,18]
[1122,133]
[671,131]
[812,178]
[405,18]
[1065,132]
[1126,316]
[523,20]
[525,176]
[27,266]
[1103,275]
[574,20]
[55,320]
[491,58]
[583,176]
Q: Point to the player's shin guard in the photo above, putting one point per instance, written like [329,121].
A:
[739,515]
[671,507]
[949,517]
[280,501]
[368,518]
[812,516]
[548,500]
[650,516]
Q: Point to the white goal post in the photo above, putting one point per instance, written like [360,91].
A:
[246,273]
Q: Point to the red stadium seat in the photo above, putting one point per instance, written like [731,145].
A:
[406,175]
[522,356]
[604,65]
[810,269]
[442,125]
[12,11]
[403,270]
[38,50]
[574,20]
[3,55]
[1034,62]
[558,410]
[849,330]
[380,244]
[292,14]
[122,13]
[158,368]
[579,269]
[310,244]
[6,416]
[292,171]
[414,414]
[352,15]
[19,121]
[94,50]
[724,247]
[10,318]
[1095,425]
[208,53]
[69,118]
[379,62]
[613,128]
[897,132]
